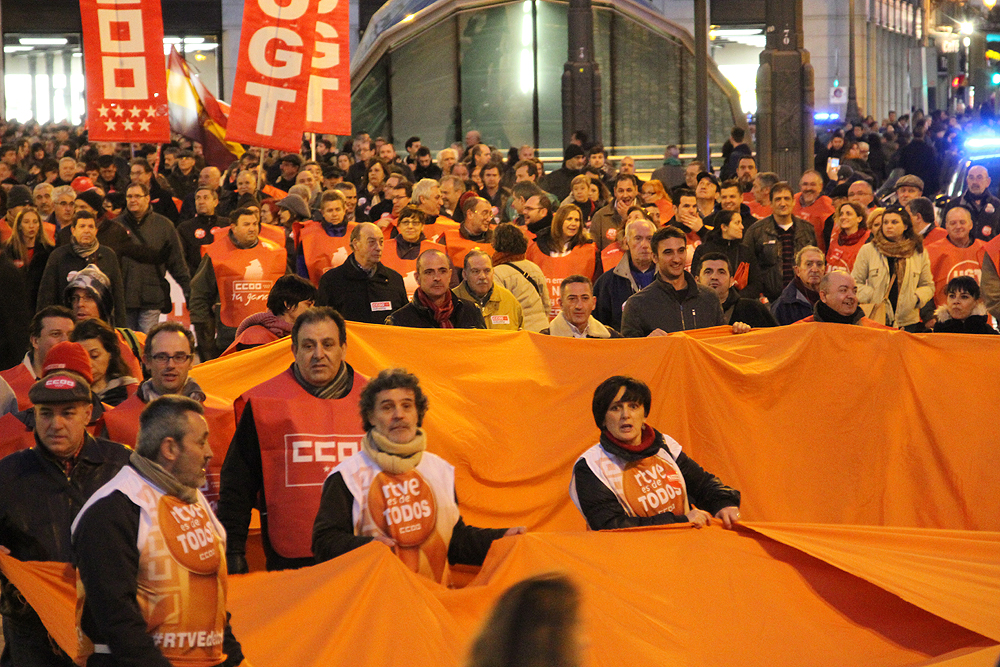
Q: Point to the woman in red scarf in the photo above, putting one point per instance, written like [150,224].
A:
[637,476]
[850,234]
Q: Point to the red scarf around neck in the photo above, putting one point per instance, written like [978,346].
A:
[442,314]
[648,435]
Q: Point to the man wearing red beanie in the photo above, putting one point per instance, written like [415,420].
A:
[43,488]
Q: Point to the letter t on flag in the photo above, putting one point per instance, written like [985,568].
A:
[270,94]
[126,77]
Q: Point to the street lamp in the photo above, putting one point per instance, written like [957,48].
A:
[966,27]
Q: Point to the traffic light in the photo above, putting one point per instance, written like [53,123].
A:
[958,81]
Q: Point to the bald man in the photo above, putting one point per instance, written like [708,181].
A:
[984,206]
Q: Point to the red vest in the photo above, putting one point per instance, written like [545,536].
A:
[302,438]
[251,336]
[580,260]
[406,267]
[5,231]
[274,233]
[992,249]
[441,224]
[122,424]
[245,276]
[458,246]
[20,380]
[757,210]
[949,262]
[843,256]
[323,252]
[610,256]
[816,214]
[934,235]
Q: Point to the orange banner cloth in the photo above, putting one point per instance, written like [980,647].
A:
[817,423]
[657,596]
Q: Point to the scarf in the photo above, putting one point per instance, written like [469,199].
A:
[900,249]
[162,479]
[560,326]
[338,387]
[393,457]
[845,239]
[85,251]
[442,314]
[191,389]
[276,325]
[647,446]
[506,258]
[242,246]
[824,313]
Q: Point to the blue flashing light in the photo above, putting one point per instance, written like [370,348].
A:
[982,143]
[835,116]
[821,115]
[995,79]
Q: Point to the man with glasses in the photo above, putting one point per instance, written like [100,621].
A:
[362,289]
[168,357]
[147,292]
[160,197]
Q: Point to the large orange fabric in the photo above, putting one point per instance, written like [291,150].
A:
[871,443]
[695,597]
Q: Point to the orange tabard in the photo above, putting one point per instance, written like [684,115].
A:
[458,246]
[14,435]
[406,267]
[815,215]
[441,224]
[5,231]
[323,252]
[580,260]
[122,425]
[181,579]
[992,249]
[948,261]
[302,438]
[842,256]
[245,277]
[610,256]
[20,378]
[757,210]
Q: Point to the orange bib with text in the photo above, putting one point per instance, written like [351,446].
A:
[580,260]
[245,276]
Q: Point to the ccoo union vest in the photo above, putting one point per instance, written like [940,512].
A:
[406,267]
[302,438]
[323,252]
[245,276]
[182,572]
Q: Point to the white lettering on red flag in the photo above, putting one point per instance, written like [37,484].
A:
[126,77]
[329,95]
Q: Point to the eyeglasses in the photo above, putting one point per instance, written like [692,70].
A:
[179,358]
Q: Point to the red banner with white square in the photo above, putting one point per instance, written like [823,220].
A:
[329,97]
[270,95]
[126,74]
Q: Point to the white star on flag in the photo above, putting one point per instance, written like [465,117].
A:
[128,125]
[144,126]
[111,125]
[150,111]
[119,111]
[103,110]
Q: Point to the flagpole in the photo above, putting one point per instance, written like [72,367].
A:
[312,142]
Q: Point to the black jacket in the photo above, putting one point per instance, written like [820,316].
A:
[465,315]
[748,311]
[194,234]
[38,503]
[737,254]
[32,271]
[973,324]
[63,260]
[360,297]
[15,314]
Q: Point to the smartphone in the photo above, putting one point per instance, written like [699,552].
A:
[832,163]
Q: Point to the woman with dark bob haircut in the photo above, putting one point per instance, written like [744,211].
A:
[637,476]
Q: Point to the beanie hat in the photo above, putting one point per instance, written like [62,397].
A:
[571,152]
[296,205]
[19,195]
[117,199]
[93,199]
[66,376]
[94,281]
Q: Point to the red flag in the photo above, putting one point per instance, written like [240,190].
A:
[329,110]
[126,82]
[272,74]
[197,115]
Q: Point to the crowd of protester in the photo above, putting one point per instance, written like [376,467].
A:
[123,266]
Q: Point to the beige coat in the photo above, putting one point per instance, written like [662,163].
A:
[871,273]
[534,305]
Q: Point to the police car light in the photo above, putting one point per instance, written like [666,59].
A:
[979,143]
[821,115]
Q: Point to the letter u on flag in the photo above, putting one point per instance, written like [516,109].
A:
[126,77]
[277,45]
